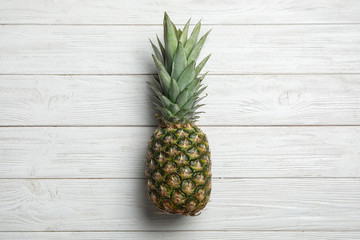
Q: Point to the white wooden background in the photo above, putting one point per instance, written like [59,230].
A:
[282,116]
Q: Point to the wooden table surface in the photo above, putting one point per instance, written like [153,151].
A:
[282,117]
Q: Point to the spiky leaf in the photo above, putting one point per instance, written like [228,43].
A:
[196,50]
[171,41]
[166,102]
[187,76]
[200,66]
[190,43]
[177,86]
[183,37]
[174,90]
[174,108]
[157,52]
[164,75]
[162,49]
[182,98]
[179,63]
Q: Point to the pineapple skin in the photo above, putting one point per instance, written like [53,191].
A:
[178,169]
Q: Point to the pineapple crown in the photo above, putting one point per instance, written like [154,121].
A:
[177,86]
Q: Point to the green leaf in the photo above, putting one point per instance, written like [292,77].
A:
[196,50]
[187,76]
[199,99]
[157,84]
[194,99]
[200,91]
[183,37]
[193,86]
[182,98]
[174,108]
[201,65]
[174,90]
[171,41]
[194,90]
[194,119]
[179,32]
[190,43]
[189,103]
[156,91]
[156,51]
[203,76]
[165,101]
[164,75]
[197,107]
[161,47]
[167,113]
[182,113]
[179,62]
[157,105]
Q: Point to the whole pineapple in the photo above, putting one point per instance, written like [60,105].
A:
[178,167]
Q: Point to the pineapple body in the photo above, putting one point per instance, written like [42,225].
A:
[178,169]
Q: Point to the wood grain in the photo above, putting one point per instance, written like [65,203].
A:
[243,235]
[232,100]
[282,116]
[238,204]
[254,49]
[120,152]
[149,12]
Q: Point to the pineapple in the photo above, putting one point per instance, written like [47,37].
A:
[178,167]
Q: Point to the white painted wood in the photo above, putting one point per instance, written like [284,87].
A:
[150,12]
[250,49]
[286,62]
[120,152]
[232,100]
[243,235]
[237,204]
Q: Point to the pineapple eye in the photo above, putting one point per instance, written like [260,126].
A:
[167,205]
[191,204]
[197,165]
[169,138]
[173,180]
[170,167]
[152,165]
[181,159]
[158,175]
[202,148]
[193,153]
[164,190]
[199,178]
[150,184]
[178,197]
[188,186]
[172,151]
[200,193]
[161,158]
[185,172]
[184,143]
[154,196]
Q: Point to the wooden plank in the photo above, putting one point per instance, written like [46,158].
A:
[243,235]
[239,204]
[254,49]
[120,152]
[232,100]
[146,12]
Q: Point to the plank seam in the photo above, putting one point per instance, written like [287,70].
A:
[213,178]
[200,125]
[151,25]
[109,231]
[151,74]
